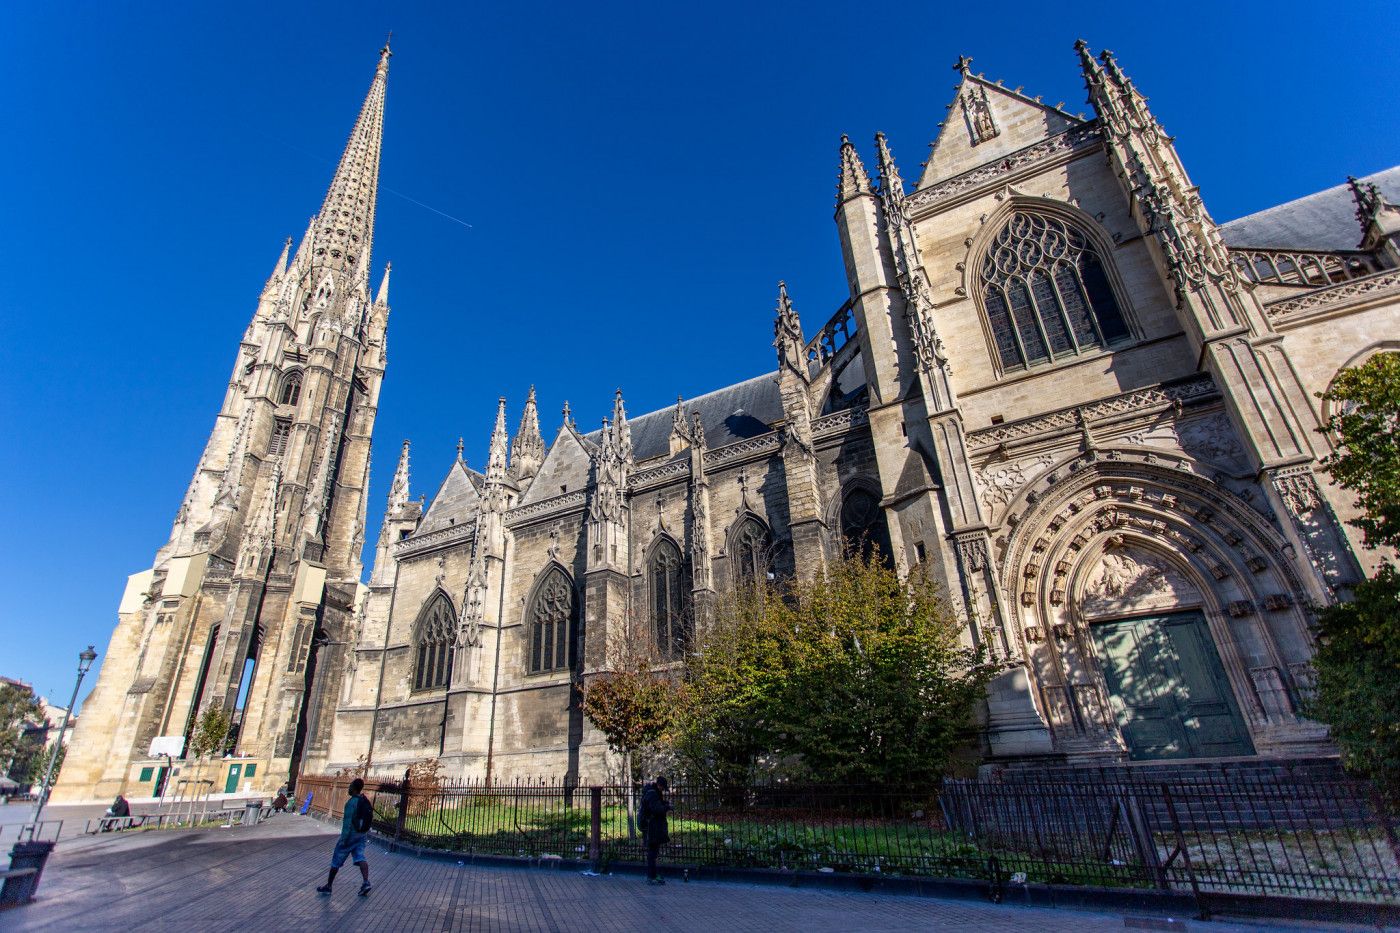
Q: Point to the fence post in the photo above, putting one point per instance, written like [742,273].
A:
[595,825]
[1181,850]
[1143,841]
[403,806]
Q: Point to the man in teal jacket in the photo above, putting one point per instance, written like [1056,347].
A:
[354,827]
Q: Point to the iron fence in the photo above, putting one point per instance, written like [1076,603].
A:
[1282,836]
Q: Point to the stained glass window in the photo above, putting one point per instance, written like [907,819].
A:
[1046,293]
[550,619]
[669,597]
[751,546]
[436,640]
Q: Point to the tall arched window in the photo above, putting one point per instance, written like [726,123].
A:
[751,547]
[863,527]
[291,389]
[436,639]
[1046,292]
[669,596]
[550,622]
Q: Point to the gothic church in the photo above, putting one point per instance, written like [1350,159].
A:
[1055,383]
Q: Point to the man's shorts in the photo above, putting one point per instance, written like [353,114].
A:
[351,847]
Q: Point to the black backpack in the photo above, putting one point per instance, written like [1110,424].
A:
[364,815]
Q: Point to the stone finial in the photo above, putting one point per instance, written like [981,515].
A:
[382,297]
[527,448]
[496,459]
[963,65]
[852,179]
[398,490]
[622,431]
[787,335]
[280,269]
[891,185]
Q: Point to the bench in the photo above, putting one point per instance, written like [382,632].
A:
[111,823]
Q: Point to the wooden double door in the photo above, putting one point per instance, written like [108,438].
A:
[1168,689]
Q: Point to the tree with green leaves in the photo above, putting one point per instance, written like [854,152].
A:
[1358,657]
[210,736]
[19,710]
[856,676]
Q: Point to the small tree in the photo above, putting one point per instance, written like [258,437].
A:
[634,706]
[211,733]
[1358,657]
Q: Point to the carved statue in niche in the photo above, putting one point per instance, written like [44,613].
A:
[978,111]
[1130,579]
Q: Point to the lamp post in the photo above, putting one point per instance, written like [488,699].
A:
[85,659]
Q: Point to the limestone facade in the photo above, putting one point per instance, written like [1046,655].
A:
[1055,383]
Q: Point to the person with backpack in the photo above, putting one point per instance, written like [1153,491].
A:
[354,827]
[655,832]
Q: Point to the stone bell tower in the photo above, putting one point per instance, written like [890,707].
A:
[246,606]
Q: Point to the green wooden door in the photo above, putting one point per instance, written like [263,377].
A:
[235,771]
[1168,688]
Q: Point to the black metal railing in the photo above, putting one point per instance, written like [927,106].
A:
[1273,834]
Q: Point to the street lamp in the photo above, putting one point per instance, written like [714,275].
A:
[85,659]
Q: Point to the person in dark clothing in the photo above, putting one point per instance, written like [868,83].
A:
[354,827]
[279,803]
[119,807]
[655,832]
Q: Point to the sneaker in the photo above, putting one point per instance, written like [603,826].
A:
[324,889]
[365,888]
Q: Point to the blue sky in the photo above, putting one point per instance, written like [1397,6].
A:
[625,182]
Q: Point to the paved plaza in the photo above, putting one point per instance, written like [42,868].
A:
[263,878]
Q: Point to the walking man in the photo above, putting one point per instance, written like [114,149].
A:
[354,827]
[655,832]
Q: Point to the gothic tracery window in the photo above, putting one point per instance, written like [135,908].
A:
[1046,292]
[669,592]
[751,547]
[291,389]
[864,530]
[281,431]
[550,622]
[435,641]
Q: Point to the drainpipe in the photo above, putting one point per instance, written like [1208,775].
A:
[496,671]
[383,657]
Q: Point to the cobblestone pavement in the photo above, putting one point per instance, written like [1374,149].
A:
[263,878]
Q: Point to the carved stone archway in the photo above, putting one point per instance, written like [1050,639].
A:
[1115,533]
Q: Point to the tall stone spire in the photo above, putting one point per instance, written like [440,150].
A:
[344,228]
[527,448]
[852,179]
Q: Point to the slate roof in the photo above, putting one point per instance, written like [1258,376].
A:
[1322,221]
[743,410]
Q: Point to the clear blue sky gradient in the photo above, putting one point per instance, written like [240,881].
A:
[636,179]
